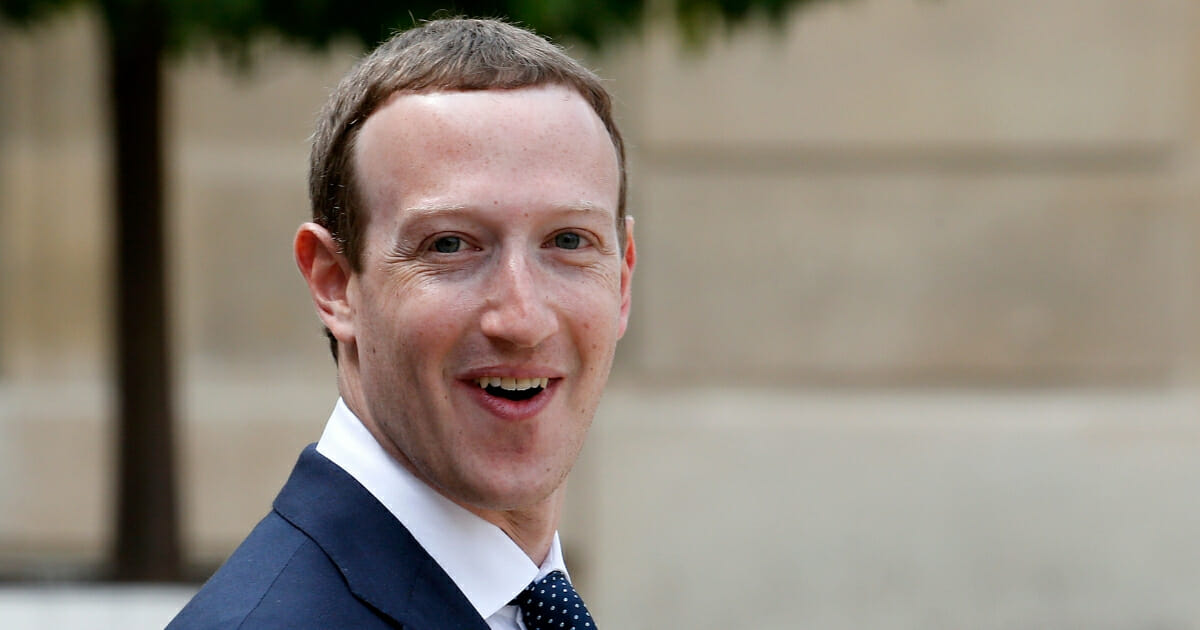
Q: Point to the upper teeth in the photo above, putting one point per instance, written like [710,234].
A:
[514,384]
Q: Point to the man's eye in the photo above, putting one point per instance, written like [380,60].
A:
[567,240]
[447,245]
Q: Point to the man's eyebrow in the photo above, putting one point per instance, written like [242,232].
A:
[585,207]
[430,211]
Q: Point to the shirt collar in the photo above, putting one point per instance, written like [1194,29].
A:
[486,565]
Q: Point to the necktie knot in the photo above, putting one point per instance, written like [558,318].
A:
[553,604]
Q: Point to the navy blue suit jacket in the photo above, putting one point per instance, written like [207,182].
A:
[328,556]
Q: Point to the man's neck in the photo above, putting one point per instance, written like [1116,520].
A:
[531,529]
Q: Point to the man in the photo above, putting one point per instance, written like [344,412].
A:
[471,259]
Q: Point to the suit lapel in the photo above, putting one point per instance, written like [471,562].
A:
[382,563]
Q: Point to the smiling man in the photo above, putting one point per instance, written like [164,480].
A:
[471,259]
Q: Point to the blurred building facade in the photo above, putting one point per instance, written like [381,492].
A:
[916,334]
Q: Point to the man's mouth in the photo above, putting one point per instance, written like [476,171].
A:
[512,388]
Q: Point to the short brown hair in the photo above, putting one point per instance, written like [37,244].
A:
[442,55]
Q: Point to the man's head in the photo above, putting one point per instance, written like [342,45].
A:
[443,55]
[470,256]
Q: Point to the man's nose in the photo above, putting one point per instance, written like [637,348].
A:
[519,310]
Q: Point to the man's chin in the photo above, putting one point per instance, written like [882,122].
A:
[513,496]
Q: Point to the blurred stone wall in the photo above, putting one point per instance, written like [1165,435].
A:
[915,336]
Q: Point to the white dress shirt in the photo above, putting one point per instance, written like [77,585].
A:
[486,565]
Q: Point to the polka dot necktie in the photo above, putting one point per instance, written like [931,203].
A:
[553,604]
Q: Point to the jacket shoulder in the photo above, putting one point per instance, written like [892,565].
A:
[329,555]
[277,578]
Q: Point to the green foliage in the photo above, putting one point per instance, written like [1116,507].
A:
[317,22]
[26,11]
[233,24]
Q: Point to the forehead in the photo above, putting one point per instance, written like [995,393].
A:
[529,145]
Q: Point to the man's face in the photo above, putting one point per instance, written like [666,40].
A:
[493,287]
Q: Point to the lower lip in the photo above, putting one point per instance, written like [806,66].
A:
[512,410]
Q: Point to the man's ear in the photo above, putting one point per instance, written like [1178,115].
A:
[327,273]
[628,262]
